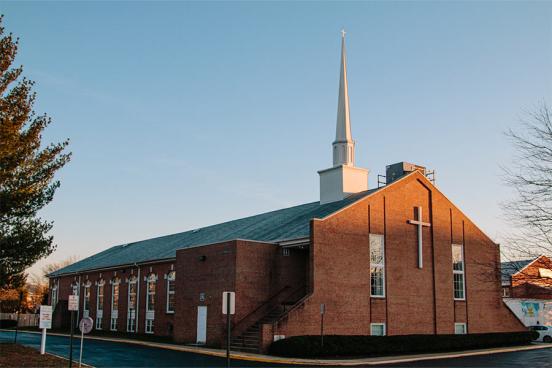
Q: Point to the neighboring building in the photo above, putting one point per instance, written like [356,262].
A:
[527,289]
[397,259]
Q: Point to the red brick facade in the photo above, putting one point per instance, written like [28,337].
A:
[335,271]
[530,283]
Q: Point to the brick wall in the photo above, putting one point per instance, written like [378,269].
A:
[418,301]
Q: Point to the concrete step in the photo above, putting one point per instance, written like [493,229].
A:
[245,349]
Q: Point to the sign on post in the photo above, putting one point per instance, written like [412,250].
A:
[45,322]
[228,308]
[232,296]
[85,326]
[45,316]
[73,303]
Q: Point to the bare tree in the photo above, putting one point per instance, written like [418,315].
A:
[530,211]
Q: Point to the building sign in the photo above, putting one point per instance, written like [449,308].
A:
[45,316]
[73,303]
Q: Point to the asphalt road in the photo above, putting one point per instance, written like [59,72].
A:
[115,354]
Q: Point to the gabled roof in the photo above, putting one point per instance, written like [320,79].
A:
[507,269]
[285,224]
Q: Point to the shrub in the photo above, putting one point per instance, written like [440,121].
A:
[356,345]
[7,323]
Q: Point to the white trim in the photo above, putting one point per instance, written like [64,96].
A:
[372,325]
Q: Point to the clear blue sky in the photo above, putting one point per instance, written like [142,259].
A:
[185,114]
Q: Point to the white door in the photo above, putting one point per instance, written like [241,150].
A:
[201,325]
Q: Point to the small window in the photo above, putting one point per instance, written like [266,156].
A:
[459,328]
[285,251]
[377,329]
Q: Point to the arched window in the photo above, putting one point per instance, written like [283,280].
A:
[150,302]
[131,310]
[114,303]
[99,303]
[171,278]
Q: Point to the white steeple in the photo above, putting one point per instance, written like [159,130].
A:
[343,146]
[343,179]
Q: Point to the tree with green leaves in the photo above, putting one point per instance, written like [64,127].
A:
[27,170]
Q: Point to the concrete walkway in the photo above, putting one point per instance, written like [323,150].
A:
[317,362]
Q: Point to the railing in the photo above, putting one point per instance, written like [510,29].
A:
[299,303]
[263,309]
[25,320]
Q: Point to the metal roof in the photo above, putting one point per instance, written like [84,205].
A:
[507,269]
[275,226]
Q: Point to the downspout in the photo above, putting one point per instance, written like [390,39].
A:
[139,282]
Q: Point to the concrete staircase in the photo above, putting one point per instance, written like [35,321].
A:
[249,341]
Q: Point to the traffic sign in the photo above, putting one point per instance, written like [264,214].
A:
[73,303]
[225,296]
[45,316]
[86,325]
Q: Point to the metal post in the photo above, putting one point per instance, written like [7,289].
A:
[228,331]
[43,342]
[82,339]
[18,313]
[322,330]
[71,339]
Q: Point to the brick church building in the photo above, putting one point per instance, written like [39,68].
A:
[396,259]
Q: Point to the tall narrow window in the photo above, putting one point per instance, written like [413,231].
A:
[171,278]
[131,311]
[54,295]
[114,303]
[150,302]
[458,271]
[86,300]
[99,304]
[377,265]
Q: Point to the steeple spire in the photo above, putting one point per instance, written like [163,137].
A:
[343,146]
[343,178]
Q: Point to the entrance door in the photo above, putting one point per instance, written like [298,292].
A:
[201,325]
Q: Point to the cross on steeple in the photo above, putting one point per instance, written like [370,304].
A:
[419,222]
[343,33]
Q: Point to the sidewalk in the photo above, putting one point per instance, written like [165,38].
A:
[314,362]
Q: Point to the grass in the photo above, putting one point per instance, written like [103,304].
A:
[14,355]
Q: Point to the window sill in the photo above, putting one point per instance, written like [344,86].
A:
[459,299]
[169,312]
[378,296]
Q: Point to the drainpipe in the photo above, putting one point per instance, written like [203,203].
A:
[137,299]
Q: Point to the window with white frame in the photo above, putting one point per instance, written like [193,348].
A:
[171,279]
[114,304]
[54,295]
[458,271]
[99,304]
[131,310]
[377,265]
[86,300]
[459,328]
[75,288]
[150,302]
[377,329]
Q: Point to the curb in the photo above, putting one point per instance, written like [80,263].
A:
[316,362]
